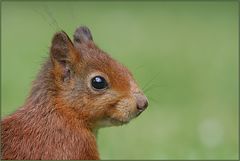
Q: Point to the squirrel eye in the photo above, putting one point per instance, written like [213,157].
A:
[99,82]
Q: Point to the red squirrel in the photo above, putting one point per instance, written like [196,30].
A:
[78,90]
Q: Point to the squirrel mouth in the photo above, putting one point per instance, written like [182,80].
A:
[139,113]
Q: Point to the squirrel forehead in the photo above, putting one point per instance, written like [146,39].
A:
[97,60]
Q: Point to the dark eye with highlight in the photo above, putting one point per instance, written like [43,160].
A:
[98,82]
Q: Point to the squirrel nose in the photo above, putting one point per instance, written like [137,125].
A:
[142,102]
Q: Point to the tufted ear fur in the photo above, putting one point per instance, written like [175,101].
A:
[82,35]
[63,55]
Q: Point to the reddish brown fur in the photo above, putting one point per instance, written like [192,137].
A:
[60,116]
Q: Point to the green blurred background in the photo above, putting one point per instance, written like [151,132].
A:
[188,49]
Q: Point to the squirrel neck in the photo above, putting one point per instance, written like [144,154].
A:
[48,122]
[44,98]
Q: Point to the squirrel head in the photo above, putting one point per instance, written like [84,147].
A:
[90,84]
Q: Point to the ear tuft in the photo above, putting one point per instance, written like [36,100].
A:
[82,35]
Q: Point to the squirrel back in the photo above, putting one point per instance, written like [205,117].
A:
[78,90]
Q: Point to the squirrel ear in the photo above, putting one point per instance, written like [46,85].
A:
[63,55]
[82,35]
[62,49]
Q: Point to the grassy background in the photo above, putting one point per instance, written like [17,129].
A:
[192,47]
